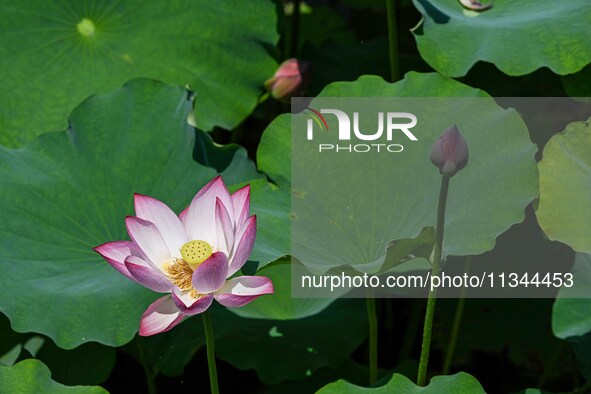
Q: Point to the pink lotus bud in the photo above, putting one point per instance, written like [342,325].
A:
[289,80]
[450,152]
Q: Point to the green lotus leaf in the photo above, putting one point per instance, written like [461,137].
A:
[67,192]
[516,36]
[274,153]
[57,54]
[271,204]
[484,200]
[32,377]
[460,383]
[564,212]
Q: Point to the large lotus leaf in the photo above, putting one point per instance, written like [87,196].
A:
[484,200]
[460,383]
[66,192]
[32,377]
[517,36]
[274,153]
[54,55]
[271,204]
[564,212]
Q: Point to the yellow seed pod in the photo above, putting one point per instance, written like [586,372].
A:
[195,252]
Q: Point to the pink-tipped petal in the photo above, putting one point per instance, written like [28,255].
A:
[148,238]
[211,274]
[243,245]
[147,275]
[165,220]
[115,254]
[161,316]
[225,228]
[242,290]
[190,306]
[183,215]
[200,219]
[241,205]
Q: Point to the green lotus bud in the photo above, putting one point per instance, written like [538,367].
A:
[450,152]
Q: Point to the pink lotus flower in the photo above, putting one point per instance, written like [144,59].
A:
[191,256]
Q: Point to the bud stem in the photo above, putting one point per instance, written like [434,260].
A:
[373,338]
[451,348]
[428,327]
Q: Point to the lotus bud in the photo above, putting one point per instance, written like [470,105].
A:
[289,80]
[450,152]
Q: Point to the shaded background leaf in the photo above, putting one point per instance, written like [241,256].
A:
[32,377]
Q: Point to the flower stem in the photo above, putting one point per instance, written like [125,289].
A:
[148,369]
[393,40]
[372,318]
[428,327]
[209,341]
[455,330]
